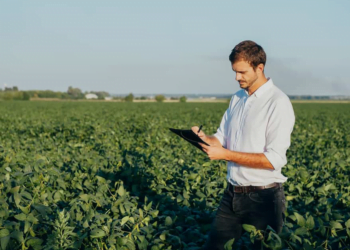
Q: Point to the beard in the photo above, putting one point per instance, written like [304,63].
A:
[246,84]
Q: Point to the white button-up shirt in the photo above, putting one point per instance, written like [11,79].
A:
[260,123]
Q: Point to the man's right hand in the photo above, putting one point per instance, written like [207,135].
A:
[201,134]
[210,139]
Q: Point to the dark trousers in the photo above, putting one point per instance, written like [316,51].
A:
[261,208]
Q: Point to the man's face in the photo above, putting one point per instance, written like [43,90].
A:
[245,74]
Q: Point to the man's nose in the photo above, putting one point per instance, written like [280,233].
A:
[238,76]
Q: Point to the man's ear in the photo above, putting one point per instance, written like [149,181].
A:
[260,68]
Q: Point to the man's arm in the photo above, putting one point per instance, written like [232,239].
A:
[251,160]
[216,152]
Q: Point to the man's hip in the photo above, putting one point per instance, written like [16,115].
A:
[259,207]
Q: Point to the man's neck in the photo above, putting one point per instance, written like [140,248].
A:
[256,85]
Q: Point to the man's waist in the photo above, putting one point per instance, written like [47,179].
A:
[248,189]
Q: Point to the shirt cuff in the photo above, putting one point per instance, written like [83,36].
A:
[275,159]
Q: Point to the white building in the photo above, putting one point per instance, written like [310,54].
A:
[91,96]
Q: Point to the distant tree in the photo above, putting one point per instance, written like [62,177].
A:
[143,98]
[129,98]
[49,94]
[75,93]
[183,99]
[26,96]
[160,98]
[15,88]
[65,96]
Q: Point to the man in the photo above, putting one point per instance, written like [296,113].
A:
[253,137]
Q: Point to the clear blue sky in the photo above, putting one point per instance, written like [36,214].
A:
[172,47]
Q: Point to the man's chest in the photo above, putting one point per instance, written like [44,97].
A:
[248,119]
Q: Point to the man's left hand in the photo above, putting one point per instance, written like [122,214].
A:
[214,152]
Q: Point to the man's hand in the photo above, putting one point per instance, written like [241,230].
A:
[210,139]
[215,152]
[201,134]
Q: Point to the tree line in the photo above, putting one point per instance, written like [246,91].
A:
[13,93]
[158,98]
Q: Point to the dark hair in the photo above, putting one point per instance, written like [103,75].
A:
[248,51]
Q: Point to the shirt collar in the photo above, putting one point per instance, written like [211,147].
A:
[262,89]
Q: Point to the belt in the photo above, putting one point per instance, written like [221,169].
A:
[248,189]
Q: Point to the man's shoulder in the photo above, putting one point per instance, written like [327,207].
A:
[281,100]
[278,95]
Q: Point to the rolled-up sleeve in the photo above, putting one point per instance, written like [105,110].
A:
[221,132]
[278,133]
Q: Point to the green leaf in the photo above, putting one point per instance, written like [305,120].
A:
[228,244]
[207,164]
[86,224]
[347,223]
[168,221]
[4,242]
[200,194]
[310,223]
[34,242]
[17,197]
[336,225]
[121,190]
[26,226]
[289,197]
[310,184]
[84,197]
[25,210]
[31,218]
[124,220]
[4,232]
[17,235]
[300,219]
[15,189]
[130,245]
[249,228]
[309,200]
[43,210]
[97,233]
[301,231]
[294,237]
[2,213]
[330,187]
[21,217]
[162,237]
[179,198]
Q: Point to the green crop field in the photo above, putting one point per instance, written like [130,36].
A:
[77,175]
